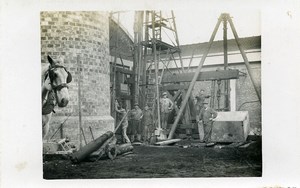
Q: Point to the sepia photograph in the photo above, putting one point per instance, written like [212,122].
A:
[141,96]
[103,93]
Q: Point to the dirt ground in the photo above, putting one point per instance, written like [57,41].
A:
[164,162]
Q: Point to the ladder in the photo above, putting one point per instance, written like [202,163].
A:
[158,53]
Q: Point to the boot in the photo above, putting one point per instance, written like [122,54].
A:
[132,138]
[139,138]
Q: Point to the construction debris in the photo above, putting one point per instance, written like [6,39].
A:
[62,146]
[85,151]
[167,142]
[235,144]
[110,150]
[245,145]
[96,155]
[124,148]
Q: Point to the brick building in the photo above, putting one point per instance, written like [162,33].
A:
[82,39]
[92,37]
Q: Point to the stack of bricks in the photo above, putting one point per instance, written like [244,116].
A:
[82,36]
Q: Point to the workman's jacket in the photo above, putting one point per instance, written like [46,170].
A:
[147,118]
[200,100]
[136,114]
[166,105]
[121,114]
[206,114]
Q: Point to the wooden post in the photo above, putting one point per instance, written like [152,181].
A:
[244,57]
[140,37]
[144,71]
[91,133]
[136,54]
[186,98]
[186,111]
[156,69]
[226,83]
[115,71]
[79,101]
[232,95]
[61,131]
[83,136]
[177,40]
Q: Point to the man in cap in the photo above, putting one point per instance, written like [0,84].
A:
[199,104]
[206,116]
[166,106]
[147,124]
[136,117]
[121,110]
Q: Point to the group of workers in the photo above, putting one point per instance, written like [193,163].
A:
[142,126]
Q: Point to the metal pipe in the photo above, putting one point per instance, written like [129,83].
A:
[186,98]
[244,57]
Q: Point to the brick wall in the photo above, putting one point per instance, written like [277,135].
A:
[83,34]
[125,43]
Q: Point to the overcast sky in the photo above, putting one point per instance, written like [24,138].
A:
[196,26]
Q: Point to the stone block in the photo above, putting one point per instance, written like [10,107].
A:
[231,127]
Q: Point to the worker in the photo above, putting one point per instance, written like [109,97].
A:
[206,117]
[166,106]
[147,124]
[120,109]
[199,103]
[136,116]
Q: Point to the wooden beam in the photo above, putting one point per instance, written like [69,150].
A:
[203,76]
[124,71]
[176,95]
[236,37]
[126,97]
[167,142]
[175,87]
[186,111]
[193,81]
